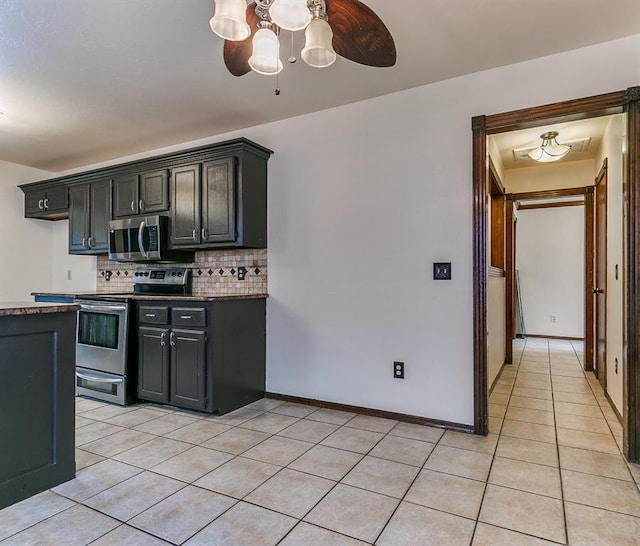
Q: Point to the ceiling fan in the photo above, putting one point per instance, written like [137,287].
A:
[347,28]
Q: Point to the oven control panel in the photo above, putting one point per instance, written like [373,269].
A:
[162,276]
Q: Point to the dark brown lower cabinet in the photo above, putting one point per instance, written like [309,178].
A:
[206,356]
[153,364]
[37,368]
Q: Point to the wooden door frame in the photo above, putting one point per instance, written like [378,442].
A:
[627,101]
[510,273]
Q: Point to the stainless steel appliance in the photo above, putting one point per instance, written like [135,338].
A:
[105,363]
[143,238]
[102,349]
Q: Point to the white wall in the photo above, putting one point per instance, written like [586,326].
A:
[81,269]
[362,200]
[25,245]
[611,148]
[550,262]
[33,253]
[550,176]
[496,327]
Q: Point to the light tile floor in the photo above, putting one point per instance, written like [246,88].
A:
[272,473]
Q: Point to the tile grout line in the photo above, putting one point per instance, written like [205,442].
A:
[555,431]
[495,451]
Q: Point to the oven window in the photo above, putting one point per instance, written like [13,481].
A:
[98,329]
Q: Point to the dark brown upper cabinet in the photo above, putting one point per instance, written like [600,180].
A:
[141,194]
[49,203]
[89,215]
[220,203]
[216,197]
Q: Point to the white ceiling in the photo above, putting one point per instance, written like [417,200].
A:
[83,81]
[568,132]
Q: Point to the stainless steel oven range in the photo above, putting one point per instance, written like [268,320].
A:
[105,363]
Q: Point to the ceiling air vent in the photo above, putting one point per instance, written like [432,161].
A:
[577,146]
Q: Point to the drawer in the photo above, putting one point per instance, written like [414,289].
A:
[153,315]
[188,316]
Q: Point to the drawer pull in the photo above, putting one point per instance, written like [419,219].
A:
[150,315]
[186,317]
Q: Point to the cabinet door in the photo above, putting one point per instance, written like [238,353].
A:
[78,218]
[34,203]
[125,196]
[153,364]
[154,192]
[219,202]
[57,199]
[100,214]
[185,205]
[188,358]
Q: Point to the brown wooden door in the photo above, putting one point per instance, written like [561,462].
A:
[600,277]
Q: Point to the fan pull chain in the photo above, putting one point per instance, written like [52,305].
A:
[292,58]
[277,90]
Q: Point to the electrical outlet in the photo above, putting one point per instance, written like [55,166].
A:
[554,318]
[398,370]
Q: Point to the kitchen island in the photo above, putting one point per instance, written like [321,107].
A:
[37,366]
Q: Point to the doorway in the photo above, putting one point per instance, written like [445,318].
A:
[627,101]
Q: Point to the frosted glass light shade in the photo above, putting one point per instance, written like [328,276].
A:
[318,50]
[290,14]
[229,20]
[266,53]
[547,154]
[550,149]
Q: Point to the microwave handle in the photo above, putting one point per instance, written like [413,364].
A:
[143,251]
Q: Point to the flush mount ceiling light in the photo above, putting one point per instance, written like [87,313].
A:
[332,27]
[550,149]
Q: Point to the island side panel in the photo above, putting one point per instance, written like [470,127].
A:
[37,417]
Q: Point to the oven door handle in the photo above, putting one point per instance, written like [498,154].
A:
[141,229]
[98,379]
[103,308]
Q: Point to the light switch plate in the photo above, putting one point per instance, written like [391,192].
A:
[442,271]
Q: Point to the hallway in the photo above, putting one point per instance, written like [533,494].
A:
[276,473]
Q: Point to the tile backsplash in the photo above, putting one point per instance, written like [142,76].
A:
[213,272]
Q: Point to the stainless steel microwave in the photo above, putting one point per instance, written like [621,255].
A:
[143,239]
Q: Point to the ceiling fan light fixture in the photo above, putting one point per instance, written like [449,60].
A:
[550,150]
[229,20]
[290,14]
[318,50]
[266,53]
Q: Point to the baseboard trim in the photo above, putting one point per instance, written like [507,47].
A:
[568,338]
[613,407]
[415,419]
[505,363]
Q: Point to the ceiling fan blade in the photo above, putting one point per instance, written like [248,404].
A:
[359,34]
[236,54]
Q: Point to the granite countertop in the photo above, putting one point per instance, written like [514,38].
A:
[149,297]
[200,297]
[31,308]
